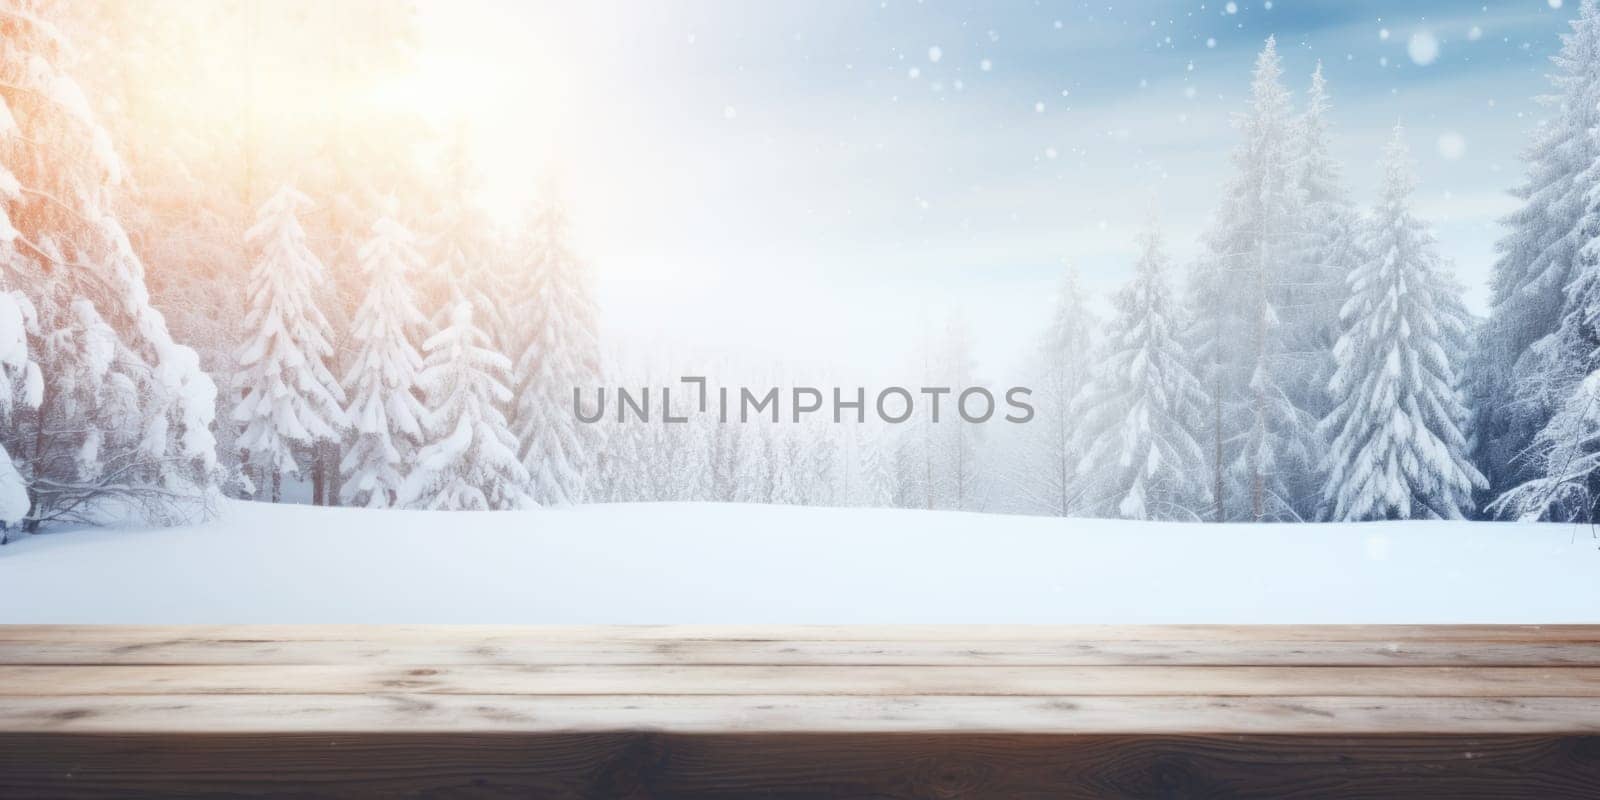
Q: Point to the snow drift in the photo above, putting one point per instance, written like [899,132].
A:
[712,563]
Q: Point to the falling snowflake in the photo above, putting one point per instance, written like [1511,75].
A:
[1423,48]
[1038,107]
[1050,153]
[1474,33]
[1211,42]
[986,65]
[1231,8]
[1555,3]
[728,112]
[935,53]
[913,73]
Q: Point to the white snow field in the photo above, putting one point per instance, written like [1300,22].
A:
[712,563]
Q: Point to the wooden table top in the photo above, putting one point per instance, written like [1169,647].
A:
[1079,680]
[869,712]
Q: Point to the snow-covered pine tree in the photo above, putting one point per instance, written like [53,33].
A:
[1398,451]
[1565,453]
[124,412]
[818,471]
[756,463]
[469,256]
[877,469]
[724,442]
[288,401]
[619,472]
[469,461]
[1050,447]
[1259,443]
[21,389]
[958,478]
[785,463]
[618,477]
[910,476]
[559,356]
[1144,460]
[1564,456]
[1514,384]
[384,413]
[1309,299]
[180,197]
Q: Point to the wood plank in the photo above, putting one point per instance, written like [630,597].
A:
[801,680]
[525,650]
[393,634]
[800,712]
[636,766]
[763,714]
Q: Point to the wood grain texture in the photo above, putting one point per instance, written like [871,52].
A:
[307,679]
[182,647]
[758,714]
[800,712]
[648,766]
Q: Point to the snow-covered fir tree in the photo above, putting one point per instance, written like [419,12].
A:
[21,389]
[1049,449]
[937,457]
[559,356]
[384,412]
[1565,454]
[959,481]
[468,255]
[819,469]
[622,463]
[876,468]
[469,460]
[1311,296]
[123,413]
[289,401]
[617,476]
[1144,461]
[758,462]
[1516,378]
[784,465]
[1398,451]
[1259,444]
[1563,460]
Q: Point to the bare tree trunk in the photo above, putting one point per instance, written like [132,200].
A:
[335,481]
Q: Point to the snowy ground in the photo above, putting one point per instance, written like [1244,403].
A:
[706,563]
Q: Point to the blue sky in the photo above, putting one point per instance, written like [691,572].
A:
[814,180]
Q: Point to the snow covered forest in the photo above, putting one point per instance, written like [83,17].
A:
[322,310]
